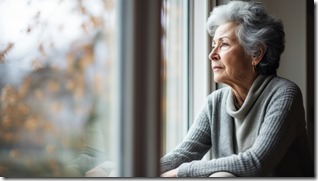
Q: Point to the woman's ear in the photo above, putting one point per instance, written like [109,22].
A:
[258,56]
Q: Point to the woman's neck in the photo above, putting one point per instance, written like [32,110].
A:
[240,96]
[241,90]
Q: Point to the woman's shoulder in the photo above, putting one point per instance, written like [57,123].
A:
[284,87]
[284,84]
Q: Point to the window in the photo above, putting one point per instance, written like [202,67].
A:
[57,65]
[187,73]
[90,84]
[175,67]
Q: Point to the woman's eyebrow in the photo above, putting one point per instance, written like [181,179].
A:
[221,39]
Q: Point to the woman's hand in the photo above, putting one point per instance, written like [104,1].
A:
[171,173]
[105,169]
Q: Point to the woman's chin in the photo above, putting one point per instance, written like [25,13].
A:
[217,80]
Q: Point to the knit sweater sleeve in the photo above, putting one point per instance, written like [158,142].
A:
[193,147]
[281,125]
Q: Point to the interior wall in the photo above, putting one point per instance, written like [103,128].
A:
[293,61]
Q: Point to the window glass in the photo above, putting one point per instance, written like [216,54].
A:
[175,66]
[56,66]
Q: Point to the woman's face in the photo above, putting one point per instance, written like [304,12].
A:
[230,63]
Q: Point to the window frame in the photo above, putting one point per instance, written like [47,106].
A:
[143,161]
[139,55]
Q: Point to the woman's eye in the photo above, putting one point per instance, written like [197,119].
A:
[224,45]
[220,46]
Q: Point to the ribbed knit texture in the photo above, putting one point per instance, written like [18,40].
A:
[272,139]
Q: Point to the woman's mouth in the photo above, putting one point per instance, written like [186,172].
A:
[216,68]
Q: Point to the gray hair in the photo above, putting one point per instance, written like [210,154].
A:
[255,29]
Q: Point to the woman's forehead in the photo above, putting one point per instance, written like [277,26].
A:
[226,30]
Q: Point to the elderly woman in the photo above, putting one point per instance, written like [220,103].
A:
[256,126]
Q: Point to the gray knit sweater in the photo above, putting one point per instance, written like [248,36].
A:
[265,137]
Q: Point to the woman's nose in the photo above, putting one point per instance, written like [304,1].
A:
[214,55]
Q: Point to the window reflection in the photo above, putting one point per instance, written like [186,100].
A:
[56,86]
